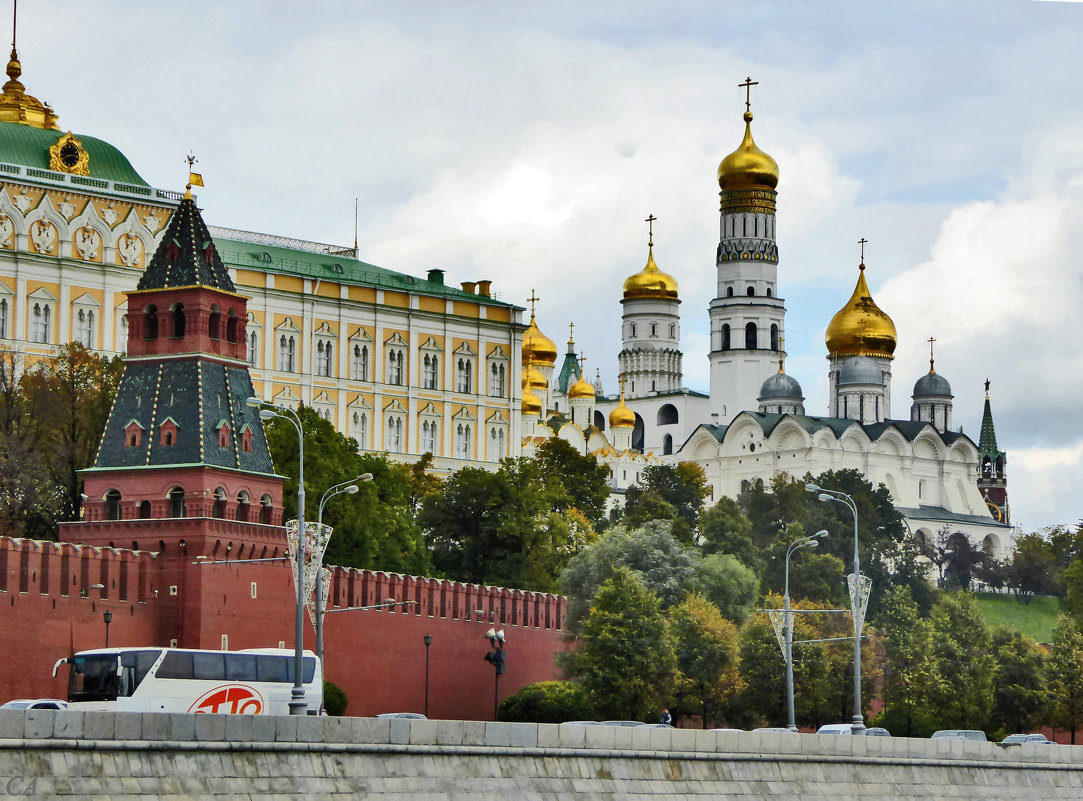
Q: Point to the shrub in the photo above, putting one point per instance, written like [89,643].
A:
[334,699]
[547,702]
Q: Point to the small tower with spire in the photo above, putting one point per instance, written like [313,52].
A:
[932,398]
[622,422]
[651,359]
[581,399]
[540,354]
[992,479]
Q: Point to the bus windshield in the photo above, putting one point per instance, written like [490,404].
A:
[93,678]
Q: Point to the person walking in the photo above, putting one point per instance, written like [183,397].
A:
[667,719]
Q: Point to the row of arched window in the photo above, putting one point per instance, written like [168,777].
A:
[177,507]
[180,322]
[750,292]
[751,337]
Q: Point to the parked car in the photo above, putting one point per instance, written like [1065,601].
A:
[774,728]
[35,703]
[624,723]
[1019,739]
[960,734]
[581,723]
[844,729]
[877,731]
[403,715]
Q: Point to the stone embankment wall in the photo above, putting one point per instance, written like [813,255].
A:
[78,755]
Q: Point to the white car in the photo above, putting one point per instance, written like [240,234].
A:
[35,703]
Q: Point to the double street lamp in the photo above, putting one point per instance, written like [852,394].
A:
[855,598]
[795,546]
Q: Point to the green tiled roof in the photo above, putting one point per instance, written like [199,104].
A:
[22,144]
[333,267]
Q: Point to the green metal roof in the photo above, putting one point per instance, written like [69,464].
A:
[28,146]
[333,267]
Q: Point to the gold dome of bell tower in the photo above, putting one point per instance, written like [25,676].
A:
[650,282]
[861,328]
[748,167]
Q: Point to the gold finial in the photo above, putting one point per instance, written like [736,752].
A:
[650,230]
[862,241]
[571,339]
[621,379]
[532,300]
[781,351]
[748,84]
[931,341]
[194,178]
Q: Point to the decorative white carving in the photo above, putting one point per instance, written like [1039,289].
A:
[66,209]
[109,214]
[43,235]
[22,201]
[130,249]
[7,228]
[151,222]
[87,241]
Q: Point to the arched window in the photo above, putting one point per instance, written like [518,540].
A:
[151,323]
[462,441]
[394,434]
[178,320]
[144,512]
[725,337]
[667,415]
[243,504]
[774,336]
[323,358]
[176,503]
[359,428]
[428,437]
[463,381]
[287,353]
[3,318]
[112,505]
[219,510]
[231,326]
[429,372]
[496,382]
[667,444]
[360,364]
[266,510]
[84,328]
[750,336]
[214,323]
[39,323]
[729,292]
[394,367]
[751,292]
[253,348]
[768,291]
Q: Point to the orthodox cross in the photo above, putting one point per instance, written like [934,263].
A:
[582,361]
[621,379]
[571,330]
[931,341]
[650,230]
[532,300]
[781,351]
[862,241]
[748,84]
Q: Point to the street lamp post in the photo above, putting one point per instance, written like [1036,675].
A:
[297,704]
[345,488]
[107,616]
[496,659]
[795,546]
[428,642]
[848,502]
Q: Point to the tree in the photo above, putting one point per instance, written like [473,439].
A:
[911,680]
[668,492]
[626,658]
[1021,692]
[965,663]
[662,565]
[724,528]
[1066,676]
[728,584]
[547,702]
[585,482]
[1033,568]
[707,656]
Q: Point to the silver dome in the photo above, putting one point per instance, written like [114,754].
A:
[932,384]
[860,370]
[779,386]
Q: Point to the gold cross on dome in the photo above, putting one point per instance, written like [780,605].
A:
[582,361]
[862,241]
[532,300]
[748,84]
[571,330]
[650,230]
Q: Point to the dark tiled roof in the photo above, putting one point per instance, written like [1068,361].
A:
[941,515]
[196,395]
[186,256]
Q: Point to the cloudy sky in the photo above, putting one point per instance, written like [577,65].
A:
[526,142]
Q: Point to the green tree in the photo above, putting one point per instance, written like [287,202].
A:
[1066,676]
[724,528]
[707,656]
[662,564]
[728,584]
[1021,692]
[1033,569]
[1072,580]
[965,663]
[375,528]
[547,702]
[668,492]
[585,483]
[911,681]
[626,658]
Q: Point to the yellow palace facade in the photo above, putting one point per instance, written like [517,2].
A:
[403,364]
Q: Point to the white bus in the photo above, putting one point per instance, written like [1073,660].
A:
[256,681]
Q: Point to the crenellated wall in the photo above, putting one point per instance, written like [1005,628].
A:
[193,593]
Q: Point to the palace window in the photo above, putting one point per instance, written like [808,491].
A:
[359,364]
[84,327]
[394,434]
[496,379]
[359,429]
[253,348]
[463,370]
[3,318]
[40,319]
[287,353]
[428,437]
[394,366]
[324,351]
[462,441]
[429,371]
[497,444]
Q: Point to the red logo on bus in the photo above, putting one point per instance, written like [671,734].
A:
[231,699]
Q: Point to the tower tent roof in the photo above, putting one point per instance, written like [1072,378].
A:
[187,255]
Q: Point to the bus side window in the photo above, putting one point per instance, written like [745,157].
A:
[308,669]
[144,661]
[209,666]
[240,667]
[272,668]
[176,666]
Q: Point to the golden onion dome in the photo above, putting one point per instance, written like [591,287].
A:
[861,328]
[622,416]
[533,378]
[537,347]
[747,167]
[581,388]
[531,403]
[650,282]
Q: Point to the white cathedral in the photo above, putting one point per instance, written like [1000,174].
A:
[753,425]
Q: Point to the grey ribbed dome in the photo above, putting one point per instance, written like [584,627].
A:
[932,384]
[781,386]
[860,370]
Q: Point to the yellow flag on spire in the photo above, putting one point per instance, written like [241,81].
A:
[195,179]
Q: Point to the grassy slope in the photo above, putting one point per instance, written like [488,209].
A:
[1035,619]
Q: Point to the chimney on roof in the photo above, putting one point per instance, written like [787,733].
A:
[436,276]
[484,288]
[468,286]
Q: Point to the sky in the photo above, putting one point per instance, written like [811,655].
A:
[525,143]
